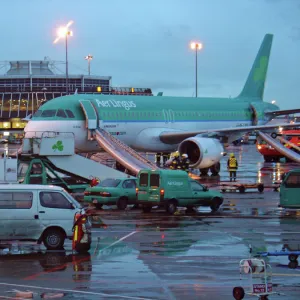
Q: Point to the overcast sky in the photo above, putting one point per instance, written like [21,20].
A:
[146,43]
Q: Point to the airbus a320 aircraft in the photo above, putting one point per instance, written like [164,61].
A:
[196,126]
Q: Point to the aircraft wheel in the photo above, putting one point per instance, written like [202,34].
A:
[215,169]
[204,171]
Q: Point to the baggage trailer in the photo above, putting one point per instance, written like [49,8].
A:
[243,186]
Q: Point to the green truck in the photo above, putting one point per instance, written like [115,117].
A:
[173,188]
[290,189]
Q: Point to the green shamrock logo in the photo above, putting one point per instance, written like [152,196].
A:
[260,71]
[206,151]
[58,146]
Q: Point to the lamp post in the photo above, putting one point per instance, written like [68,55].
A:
[64,32]
[89,58]
[196,46]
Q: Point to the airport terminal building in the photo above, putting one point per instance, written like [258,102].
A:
[28,84]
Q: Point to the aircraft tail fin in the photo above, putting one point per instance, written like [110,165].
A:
[255,84]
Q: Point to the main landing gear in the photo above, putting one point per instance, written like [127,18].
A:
[214,169]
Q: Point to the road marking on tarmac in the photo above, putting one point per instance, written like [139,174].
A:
[71,291]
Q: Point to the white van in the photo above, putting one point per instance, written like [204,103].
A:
[36,213]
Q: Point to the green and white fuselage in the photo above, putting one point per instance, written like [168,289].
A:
[138,121]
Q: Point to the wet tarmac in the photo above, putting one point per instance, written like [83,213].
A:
[157,256]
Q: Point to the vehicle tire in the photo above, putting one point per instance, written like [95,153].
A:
[274,135]
[171,207]
[204,171]
[293,257]
[122,203]
[54,239]
[267,158]
[215,169]
[242,189]
[260,187]
[293,264]
[146,208]
[265,297]
[215,204]
[238,293]
[98,205]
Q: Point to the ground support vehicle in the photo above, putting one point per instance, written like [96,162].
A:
[173,188]
[39,170]
[118,191]
[292,255]
[290,190]
[259,281]
[37,213]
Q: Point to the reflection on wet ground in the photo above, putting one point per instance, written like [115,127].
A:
[157,256]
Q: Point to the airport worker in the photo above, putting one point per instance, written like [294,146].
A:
[185,162]
[158,159]
[232,166]
[175,161]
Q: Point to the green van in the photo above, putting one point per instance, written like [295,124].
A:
[172,188]
[290,190]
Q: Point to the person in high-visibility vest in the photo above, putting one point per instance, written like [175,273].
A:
[81,233]
[232,166]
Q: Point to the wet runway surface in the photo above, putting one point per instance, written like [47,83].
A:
[157,256]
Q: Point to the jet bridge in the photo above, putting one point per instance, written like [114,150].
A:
[279,147]
[125,155]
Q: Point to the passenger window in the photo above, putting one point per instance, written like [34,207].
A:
[154,180]
[54,200]
[61,113]
[16,200]
[144,179]
[196,187]
[293,181]
[70,114]
[49,113]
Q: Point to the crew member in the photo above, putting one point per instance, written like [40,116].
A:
[157,159]
[175,161]
[185,162]
[232,166]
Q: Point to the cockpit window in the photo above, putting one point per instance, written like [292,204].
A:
[49,113]
[61,113]
[70,114]
[38,113]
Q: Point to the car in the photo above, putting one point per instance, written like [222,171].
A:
[37,213]
[173,188]
[112,191]
[3,141]
[290,190]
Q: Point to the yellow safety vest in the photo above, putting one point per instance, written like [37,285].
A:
[232,162]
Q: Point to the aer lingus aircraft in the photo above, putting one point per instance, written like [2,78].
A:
[196,126]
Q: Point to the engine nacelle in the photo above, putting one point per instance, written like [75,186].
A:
[202,152]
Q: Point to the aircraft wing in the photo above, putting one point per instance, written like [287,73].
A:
[175,137]
[276,113]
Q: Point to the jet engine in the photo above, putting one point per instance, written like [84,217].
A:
[202,152]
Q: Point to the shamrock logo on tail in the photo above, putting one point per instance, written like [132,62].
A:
[58,146]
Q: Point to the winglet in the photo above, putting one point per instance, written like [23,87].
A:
[255,84]
[159,93]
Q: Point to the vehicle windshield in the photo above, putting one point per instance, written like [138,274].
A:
[109,183]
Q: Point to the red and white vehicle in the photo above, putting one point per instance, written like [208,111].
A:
[270,154]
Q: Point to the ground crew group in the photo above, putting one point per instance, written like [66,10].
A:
[174,161]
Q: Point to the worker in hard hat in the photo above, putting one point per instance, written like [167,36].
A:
[175,163]
[185,162]
[232,166]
